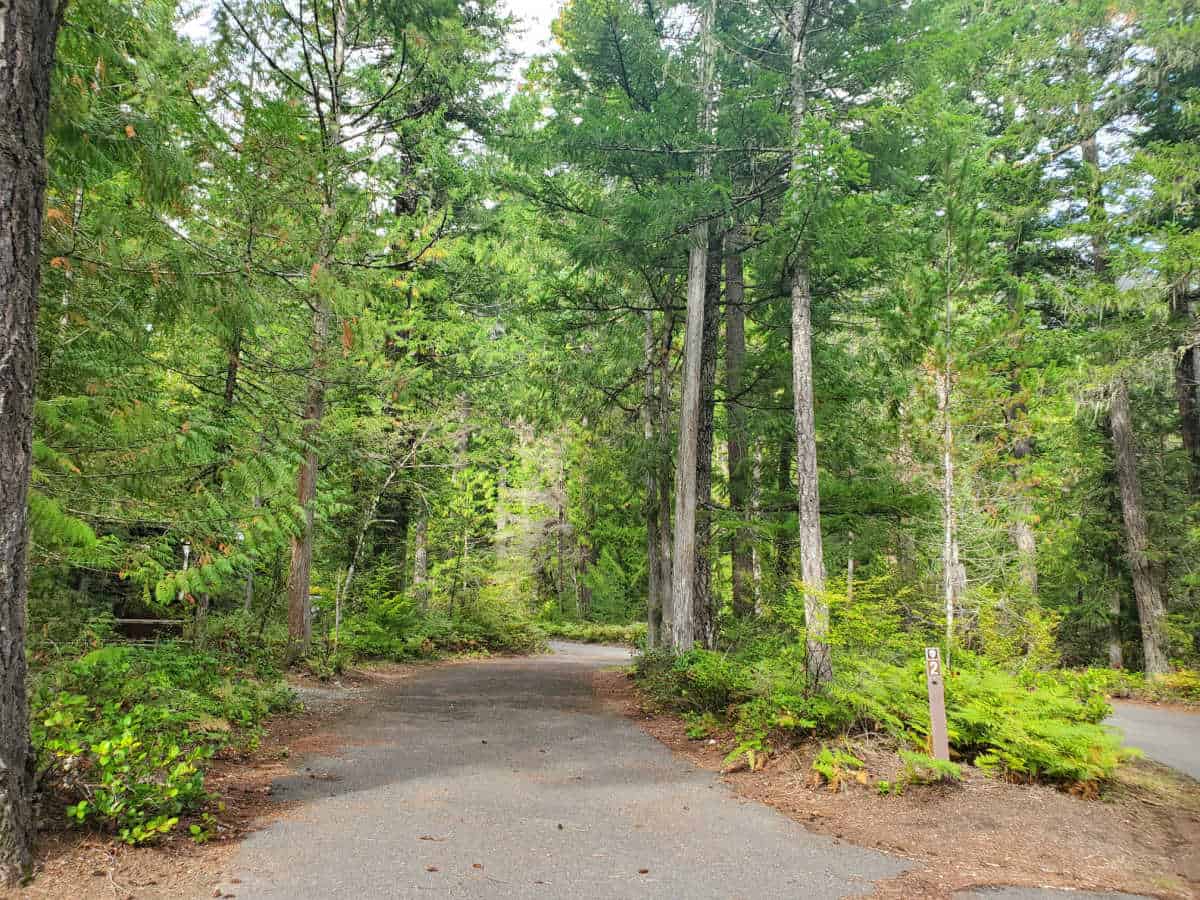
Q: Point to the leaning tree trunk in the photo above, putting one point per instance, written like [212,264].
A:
[812,556]
[740,544]
[683,559]
[1137,541]
[703,600]
[27,33]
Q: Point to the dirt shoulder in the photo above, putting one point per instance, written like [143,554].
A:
[1141,835]
[72,863]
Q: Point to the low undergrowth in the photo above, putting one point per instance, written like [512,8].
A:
[633,635]
[1043,732]
[123,733]
[395,628]
[1180,686]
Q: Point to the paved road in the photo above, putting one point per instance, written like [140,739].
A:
[506,779]
[512,766]
[1171,737]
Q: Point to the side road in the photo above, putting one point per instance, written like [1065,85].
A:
[1168,736]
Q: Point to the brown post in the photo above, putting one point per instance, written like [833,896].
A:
[939,743]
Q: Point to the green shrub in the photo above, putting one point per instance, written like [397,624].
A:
[395,628]
[711,681]
[1034,728]
[122,733]
[1180,686]
[835,766]
[633,635]
[700,725]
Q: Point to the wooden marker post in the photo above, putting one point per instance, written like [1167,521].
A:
[938,739]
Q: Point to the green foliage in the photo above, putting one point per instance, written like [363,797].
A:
[701,725]
[997,721]
[705,680]
[1181,686]
[122,734]
[595,633]
[836,766]
[394,628]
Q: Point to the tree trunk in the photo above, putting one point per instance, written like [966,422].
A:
[665,535]
[403,516]
[1016,424]
[755,513]
[740,552]
[1026,543]
[812,556]
[1185,389]
[783,544]
[683,559]
[950,581]
[1137,541]
[654,597]
[587,559]
[420,579]
[703,601]
[300,572]
[28,29]
[1116,654]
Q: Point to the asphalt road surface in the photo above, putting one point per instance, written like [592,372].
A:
[1168,736]
[506,778]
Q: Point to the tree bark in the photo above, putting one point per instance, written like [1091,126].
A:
[740,552]
[28,29]
[683,559]
[783,545]
[1116,654]
[950,581]
[665,535]
[300,569]
[403,517]
[1145,585]
[704,603]
[587,559]
[1185,389]
[654,596]
[812,556]
[420,579]
[755,512]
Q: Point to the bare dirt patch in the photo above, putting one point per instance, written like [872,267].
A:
[1141,835]
[90,864]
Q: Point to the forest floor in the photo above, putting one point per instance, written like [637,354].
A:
[548,777]
[1140,835]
